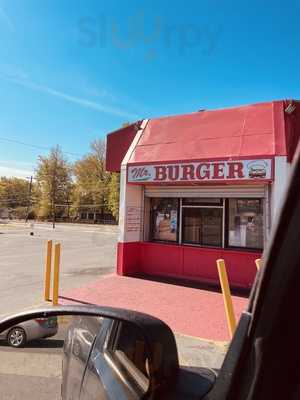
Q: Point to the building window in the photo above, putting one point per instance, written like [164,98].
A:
[164,219]
[245,223]
[202,201]
[202,225]
[208,222]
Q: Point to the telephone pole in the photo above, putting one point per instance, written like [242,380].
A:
[29,198]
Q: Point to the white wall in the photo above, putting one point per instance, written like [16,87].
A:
[279,186]
[131,211]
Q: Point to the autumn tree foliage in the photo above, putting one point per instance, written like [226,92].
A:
[94,186]
[54,183]
[15,197]
[60,189]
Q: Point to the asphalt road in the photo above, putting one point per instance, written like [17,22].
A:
[88,252]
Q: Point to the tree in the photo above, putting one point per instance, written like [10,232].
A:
[13,192]
[16,197]
[114,194]
[91,178]
[94,185]
[54,182]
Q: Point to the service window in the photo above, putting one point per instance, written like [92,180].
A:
[245,223]
[164,219]
[202,222]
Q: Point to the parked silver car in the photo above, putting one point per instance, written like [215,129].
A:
[39,328]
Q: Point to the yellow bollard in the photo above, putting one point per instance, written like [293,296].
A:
[258,263]
[226,296]
[48,271]
[56,274]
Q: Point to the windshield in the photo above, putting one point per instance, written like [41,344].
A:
[145,150]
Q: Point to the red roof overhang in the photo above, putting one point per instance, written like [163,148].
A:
[244,132]
[117,145]
[261,130]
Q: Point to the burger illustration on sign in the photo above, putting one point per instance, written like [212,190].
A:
[257,169]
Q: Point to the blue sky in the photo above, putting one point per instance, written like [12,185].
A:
[72,71]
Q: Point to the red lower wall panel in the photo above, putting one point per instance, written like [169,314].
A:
[161,259]
[201,263]
[186,262]
[240,266]
[128,258]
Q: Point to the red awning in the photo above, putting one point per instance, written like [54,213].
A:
[251,131]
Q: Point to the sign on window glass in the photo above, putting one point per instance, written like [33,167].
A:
[165,213]
[245,223]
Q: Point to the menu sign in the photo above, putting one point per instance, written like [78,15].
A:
[133,219]
[206,171]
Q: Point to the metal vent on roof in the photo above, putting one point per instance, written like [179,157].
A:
[290,108]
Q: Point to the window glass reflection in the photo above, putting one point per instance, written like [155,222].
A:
[245,223]
[202,226]
[164,214]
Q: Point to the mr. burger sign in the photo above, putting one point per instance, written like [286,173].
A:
[204,171]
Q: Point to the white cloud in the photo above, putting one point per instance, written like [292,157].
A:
[103,93]
[73,99]
[12,163]
[18,169]
[15,172]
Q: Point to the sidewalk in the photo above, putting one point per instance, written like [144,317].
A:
[188,311]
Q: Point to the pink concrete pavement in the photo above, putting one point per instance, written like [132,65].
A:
[186,310]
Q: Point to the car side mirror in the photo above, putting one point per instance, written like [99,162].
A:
[105,353]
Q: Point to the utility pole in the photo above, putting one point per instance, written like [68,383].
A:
[53,190]
[29,198]
[53,214]
[68,205]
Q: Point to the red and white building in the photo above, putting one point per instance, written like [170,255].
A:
[202,186]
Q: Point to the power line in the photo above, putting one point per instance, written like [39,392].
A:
[81,205]
[16,200]
[14,197]
[24,200]
[35,146]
